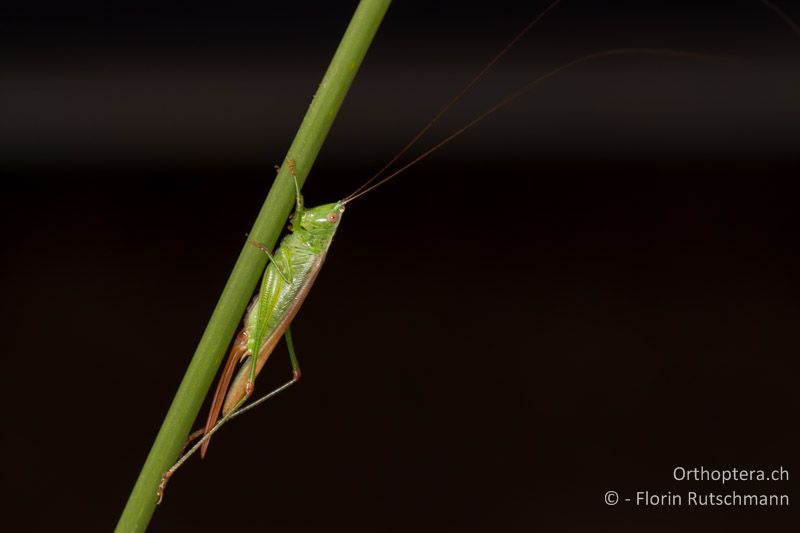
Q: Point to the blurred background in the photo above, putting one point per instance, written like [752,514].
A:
[595,285]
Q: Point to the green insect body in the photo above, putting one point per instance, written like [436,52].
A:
[298,259]
[287,280]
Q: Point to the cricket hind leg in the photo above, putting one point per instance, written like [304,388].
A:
[238,410]
[296,375]
[196,434]
[238,351]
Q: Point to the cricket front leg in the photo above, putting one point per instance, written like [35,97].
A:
[286,277]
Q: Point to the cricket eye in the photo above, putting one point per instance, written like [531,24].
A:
[333,217]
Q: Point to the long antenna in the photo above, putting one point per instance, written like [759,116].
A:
[364,188]
[519,92]
[782,14]
[457,97]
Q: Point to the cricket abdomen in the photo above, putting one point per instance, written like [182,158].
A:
[287,279]
[285,307]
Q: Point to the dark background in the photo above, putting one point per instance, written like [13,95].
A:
[594,286]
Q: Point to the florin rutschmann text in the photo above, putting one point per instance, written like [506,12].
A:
[750,495]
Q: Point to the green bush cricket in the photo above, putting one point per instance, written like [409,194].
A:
[293,267]
[291,272]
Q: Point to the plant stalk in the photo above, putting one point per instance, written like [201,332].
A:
[250,264]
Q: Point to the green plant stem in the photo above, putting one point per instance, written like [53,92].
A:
[250,264]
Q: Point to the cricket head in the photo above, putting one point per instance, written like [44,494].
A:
[323,218]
